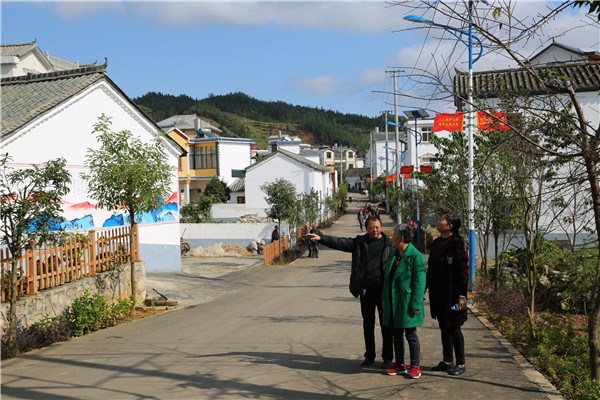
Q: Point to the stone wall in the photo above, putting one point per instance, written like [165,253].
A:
[54,301]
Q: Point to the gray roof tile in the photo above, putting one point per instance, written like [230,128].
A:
[585,76]
[26,97]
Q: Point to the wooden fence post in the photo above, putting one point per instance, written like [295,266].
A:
[31,272]
[136,242]
[92,252]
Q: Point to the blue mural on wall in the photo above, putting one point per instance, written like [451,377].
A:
[115,220]
[85,222]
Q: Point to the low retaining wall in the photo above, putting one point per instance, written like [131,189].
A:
[54,301]
[240,234]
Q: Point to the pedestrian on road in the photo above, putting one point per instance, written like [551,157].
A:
[313,244]
[447,279]
[403,291]
[305,231]
[275,234]
[360,217]
[369,257]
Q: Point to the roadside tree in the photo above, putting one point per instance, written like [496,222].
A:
[126,172]
[282,202]
[30,213]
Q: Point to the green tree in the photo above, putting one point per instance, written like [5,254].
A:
[127,172]
[218,190]
[282,202]
[30,213]
[197,212]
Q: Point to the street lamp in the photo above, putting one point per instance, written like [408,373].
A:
[460,34]
[416,114]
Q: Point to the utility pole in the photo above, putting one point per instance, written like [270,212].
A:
[387,165]
[397,133]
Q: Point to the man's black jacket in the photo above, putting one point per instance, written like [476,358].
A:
[358,246]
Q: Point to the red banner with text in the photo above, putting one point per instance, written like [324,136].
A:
[448,122]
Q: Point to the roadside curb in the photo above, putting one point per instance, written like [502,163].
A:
[530,371]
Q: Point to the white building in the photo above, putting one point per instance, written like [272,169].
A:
[27,58]
[302,173]
[208,156]
[51,115]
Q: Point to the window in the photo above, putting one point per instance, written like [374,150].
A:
[241,200]
[350,154]
[204,157]
[329,154]
[426,133]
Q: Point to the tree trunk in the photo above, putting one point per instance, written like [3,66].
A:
[131,257]
[594,335]
[12,318]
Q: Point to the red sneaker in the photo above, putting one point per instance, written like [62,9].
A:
[397,369]
[415,372]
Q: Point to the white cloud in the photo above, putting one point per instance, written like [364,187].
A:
[372,77]
[367,16]
[322,85]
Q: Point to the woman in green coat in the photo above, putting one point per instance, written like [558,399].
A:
[403,291]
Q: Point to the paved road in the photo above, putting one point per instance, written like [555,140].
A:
[279,332]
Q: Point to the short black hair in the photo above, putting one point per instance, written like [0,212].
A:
[371,218]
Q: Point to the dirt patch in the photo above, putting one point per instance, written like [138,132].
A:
[220,250]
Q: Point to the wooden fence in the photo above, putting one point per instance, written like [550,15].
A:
[271,250]
[77,257]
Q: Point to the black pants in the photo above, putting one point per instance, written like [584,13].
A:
[313,249]
[370,300]
[452,339]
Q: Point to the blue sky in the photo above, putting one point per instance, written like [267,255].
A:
[319,54]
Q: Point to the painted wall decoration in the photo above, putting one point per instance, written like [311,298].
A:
[85,215]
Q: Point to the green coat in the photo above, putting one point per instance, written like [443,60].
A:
[405,290]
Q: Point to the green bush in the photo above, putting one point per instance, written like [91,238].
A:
[564,354]
[89,312]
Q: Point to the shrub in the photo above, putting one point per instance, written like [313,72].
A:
[43,333]
[564,353]
[89,312]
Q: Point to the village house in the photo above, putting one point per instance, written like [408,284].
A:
[208,156]
[51,114]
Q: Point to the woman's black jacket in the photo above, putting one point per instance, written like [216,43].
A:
[358,246]
[448,278]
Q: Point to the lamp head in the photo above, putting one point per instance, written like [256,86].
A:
[421,20]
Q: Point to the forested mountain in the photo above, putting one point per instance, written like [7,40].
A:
[240,115]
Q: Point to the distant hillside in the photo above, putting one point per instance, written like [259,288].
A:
[240,115]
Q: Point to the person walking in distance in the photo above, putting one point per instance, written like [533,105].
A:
[313,244]
[447,279]
[403,291]
[369,256]
[275,234]
[360,217]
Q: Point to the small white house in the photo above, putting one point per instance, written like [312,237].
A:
[51,115]
[301,172]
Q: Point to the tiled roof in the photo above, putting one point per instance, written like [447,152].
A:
[17,49]
[26,97]
[298,158]
[488,84]
[238,185]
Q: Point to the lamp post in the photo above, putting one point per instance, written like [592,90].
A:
[416,114]
[458,33]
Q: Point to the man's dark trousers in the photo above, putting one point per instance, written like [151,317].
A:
[370,300]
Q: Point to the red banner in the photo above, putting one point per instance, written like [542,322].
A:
[407,169]
[426,169]
[389,179]
[487,122]
[406,176]
[448,122]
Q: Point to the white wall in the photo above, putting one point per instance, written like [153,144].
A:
[66,131]
[239,234]
[232,155]
[279,166]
